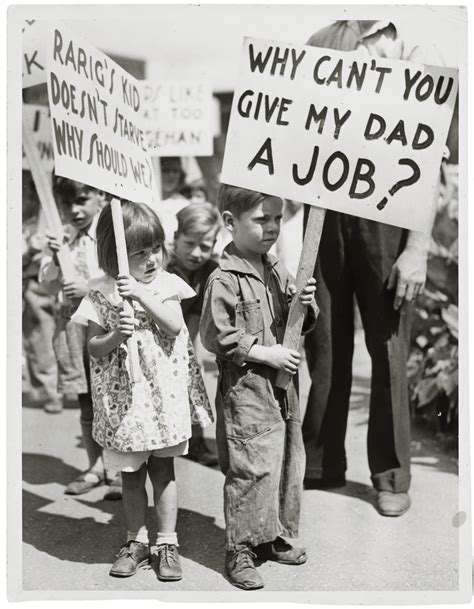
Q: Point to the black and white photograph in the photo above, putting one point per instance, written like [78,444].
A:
[237,334]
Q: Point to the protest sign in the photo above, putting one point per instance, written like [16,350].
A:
[178,118]
[37,118]
[96,113]
[33,53]
[349,132]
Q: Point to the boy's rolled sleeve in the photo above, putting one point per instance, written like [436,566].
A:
[219,333]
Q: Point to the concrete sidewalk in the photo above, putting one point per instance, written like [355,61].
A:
[69,543]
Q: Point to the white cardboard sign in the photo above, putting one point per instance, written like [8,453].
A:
[343,131]
[96,113]
[178,117]
[38,120]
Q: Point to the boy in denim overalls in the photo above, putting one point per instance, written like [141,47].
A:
[258,425]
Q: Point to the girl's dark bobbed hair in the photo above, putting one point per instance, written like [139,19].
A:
[143,230]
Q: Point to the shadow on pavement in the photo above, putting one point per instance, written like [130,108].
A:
[44,469]
[81,540]
[364,492]
[201,540]
[85,540]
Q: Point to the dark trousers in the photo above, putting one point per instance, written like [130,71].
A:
[355,258]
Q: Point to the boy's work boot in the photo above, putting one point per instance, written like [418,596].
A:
[130,558]
[168,566]
[281,551]
[241,570]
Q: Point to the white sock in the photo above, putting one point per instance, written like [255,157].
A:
[170,538]
[141,535]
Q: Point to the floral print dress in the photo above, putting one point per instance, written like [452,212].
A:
[158,411]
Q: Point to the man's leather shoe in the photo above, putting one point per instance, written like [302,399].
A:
[393,504]
[324,483]
[130,558]
[281,551]
[241,570]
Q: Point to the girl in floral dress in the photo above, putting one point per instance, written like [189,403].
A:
[142,426]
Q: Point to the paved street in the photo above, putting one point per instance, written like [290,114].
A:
[69,543]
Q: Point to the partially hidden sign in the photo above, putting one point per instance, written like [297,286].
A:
[33,53]
[178,117]
[39,122]
[96,113]
[343,131]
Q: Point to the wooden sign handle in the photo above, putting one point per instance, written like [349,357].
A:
[306,265]
[156,161]
[122,260]
[47,202]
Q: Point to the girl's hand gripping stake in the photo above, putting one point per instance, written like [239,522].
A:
[122,259]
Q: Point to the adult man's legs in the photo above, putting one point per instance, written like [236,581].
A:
[329,351]
[387,334]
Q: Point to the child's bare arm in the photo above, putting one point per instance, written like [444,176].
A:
[100,343]
[167,315]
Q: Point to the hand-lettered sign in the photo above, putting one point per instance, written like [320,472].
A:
[39,122]
[356,134]
[33,52]
[96,113]
[178,118]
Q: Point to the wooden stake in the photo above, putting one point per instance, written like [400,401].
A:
[122,260]
[156,160]
[306,265]
[47,202]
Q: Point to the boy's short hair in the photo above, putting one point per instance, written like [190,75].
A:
[142,227]
[198,219]
[238,200]
[66,191]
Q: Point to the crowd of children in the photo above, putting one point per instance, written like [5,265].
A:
[180,293]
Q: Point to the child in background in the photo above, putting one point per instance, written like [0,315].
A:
[172,201]
[38,322]
[194,240]
[259,435]
[142,426]
[79,205]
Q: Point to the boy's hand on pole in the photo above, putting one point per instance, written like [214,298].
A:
[54,245]
[307,293]
[77,288]
[306,297]
[282,358]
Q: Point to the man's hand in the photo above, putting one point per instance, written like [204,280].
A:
[75,289]
[307,293]
[408,275]
[281,358]
[129,287]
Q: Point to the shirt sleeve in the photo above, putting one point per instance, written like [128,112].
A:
[86,312]
[219,333]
